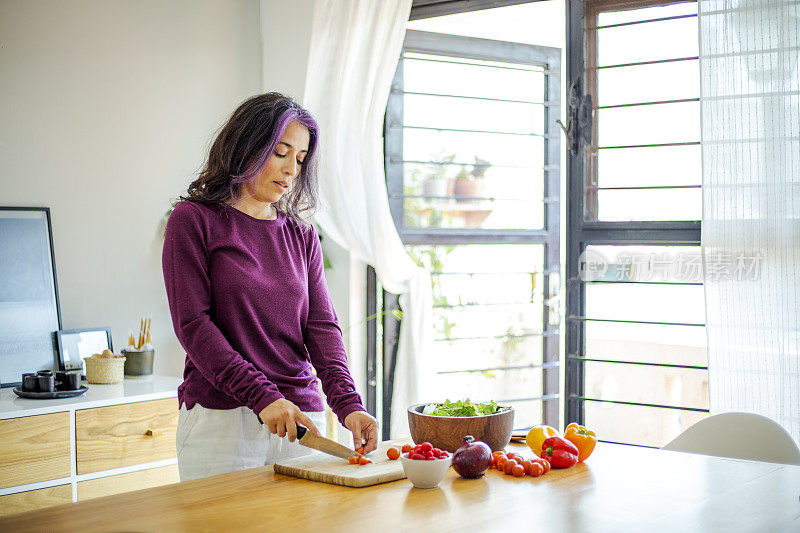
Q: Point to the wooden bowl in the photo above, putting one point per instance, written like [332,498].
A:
[447,432]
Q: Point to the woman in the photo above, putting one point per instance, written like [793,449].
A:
[249,303]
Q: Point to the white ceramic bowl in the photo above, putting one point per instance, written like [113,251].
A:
[425,474]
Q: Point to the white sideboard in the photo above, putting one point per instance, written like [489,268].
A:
[113,438]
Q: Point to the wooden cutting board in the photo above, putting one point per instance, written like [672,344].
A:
[329,469]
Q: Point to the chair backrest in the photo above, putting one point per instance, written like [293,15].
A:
[739,436]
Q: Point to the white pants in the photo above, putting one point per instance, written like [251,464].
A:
[214,441]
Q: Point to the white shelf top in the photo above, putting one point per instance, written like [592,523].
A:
[130,390]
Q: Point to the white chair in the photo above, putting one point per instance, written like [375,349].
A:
[739,436]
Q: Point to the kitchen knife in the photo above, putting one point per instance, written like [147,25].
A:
[331,447]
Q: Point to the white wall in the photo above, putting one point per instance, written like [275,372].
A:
[286,39]
[347,280]
[107,109]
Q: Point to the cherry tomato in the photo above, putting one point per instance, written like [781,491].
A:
[498,452]
[518,471]
[526,464]
[406,448]
[535,470]
[510,464]
[363,460]
[545,464]
[501,462]
[517,457]
[353,460]
[393,453]
[360,450]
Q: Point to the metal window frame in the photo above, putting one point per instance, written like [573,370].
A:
[371,400]
[549,236]
[581,200]
[485,50]
[421,9]
[381,312]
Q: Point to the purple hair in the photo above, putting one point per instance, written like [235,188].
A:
[244,145]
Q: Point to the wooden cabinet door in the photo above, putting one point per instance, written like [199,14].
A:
[124,435]
[21,502]
[34,448]
[143,479]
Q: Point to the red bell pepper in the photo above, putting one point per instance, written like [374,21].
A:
[559,452]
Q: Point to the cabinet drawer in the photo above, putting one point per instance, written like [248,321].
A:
[34,448]
[35,499]
[124,435]
[144,479]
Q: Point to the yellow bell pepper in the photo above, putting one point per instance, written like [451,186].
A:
[582,438]
[537,435]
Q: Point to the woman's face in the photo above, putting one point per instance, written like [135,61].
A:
[282,167]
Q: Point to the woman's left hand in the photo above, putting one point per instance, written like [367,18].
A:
[364,429]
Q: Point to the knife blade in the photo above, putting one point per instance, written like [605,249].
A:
[331,447]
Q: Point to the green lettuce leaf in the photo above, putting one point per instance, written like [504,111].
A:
[463,408]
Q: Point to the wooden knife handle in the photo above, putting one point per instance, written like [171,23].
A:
[301,431]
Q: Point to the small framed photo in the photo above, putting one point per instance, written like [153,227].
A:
[75,344]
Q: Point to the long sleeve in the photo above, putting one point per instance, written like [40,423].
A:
[323,338]
[185,263]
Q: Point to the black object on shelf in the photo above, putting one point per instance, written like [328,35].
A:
[49,395]
[46,384]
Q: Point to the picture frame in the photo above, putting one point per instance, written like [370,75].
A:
[29,304]
[75,344]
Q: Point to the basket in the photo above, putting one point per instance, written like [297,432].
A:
[105,370]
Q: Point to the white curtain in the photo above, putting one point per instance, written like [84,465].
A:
[750,104]
[355,47]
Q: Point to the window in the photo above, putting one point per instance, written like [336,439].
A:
[635,343]
[472,160]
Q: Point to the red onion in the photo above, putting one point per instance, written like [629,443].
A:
[473,459]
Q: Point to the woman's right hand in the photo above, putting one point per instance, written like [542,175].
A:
[281,418]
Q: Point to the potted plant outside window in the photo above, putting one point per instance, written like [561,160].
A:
[436,184]
[469,186]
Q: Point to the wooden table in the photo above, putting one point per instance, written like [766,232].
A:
[619,488]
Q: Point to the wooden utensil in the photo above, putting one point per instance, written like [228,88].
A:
[518,437]
[447,432]
[329,469]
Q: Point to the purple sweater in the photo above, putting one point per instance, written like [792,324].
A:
[251,308]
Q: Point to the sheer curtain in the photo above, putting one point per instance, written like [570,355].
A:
[750,104]
[355,47]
